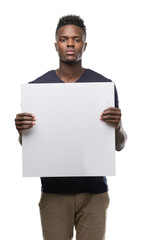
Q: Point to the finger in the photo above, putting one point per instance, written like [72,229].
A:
[111,112]
[24,127]
[112,121]
[20,132]
[112,109]
[107,117]
[20,123]
[25,114]
[23,118]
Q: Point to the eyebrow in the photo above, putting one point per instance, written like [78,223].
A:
[67,37]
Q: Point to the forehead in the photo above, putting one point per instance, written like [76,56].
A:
[70,31]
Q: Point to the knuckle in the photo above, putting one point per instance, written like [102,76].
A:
[119,111]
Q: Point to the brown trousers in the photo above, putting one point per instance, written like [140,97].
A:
[61,212]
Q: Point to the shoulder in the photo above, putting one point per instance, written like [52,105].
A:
[93,76]
[45,78]
[97,77]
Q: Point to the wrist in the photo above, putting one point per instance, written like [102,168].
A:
[118,127]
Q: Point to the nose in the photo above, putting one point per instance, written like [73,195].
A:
[70,43]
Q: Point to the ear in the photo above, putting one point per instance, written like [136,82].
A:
[85,45]
[56,46]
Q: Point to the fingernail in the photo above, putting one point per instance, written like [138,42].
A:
[33,123]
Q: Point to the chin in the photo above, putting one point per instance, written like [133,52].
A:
[70,60]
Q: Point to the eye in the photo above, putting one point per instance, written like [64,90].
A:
[63,40]
[77,40]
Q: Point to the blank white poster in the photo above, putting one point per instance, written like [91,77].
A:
[68,139]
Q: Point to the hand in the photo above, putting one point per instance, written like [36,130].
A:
[24,121]
[112,115]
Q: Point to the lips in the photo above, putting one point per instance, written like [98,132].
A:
[70,52]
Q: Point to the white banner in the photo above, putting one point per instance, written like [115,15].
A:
[68,139]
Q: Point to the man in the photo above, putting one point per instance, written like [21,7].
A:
[74,201]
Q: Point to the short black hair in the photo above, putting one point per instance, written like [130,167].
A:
[71,20]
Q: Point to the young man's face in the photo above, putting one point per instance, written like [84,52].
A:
[70,43]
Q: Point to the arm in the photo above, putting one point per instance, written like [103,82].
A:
[120,137]
[112,115]
[20,139]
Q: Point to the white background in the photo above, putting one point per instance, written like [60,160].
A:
[26,52]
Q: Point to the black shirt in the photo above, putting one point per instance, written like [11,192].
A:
[74,185]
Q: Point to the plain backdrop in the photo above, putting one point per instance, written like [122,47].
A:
[26,52]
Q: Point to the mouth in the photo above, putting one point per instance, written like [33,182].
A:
[70,52]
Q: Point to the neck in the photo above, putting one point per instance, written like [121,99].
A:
[70,72]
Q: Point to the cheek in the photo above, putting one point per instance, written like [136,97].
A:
[81,48]
[80,51]
[58,50]
[61,53]
[61,50]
